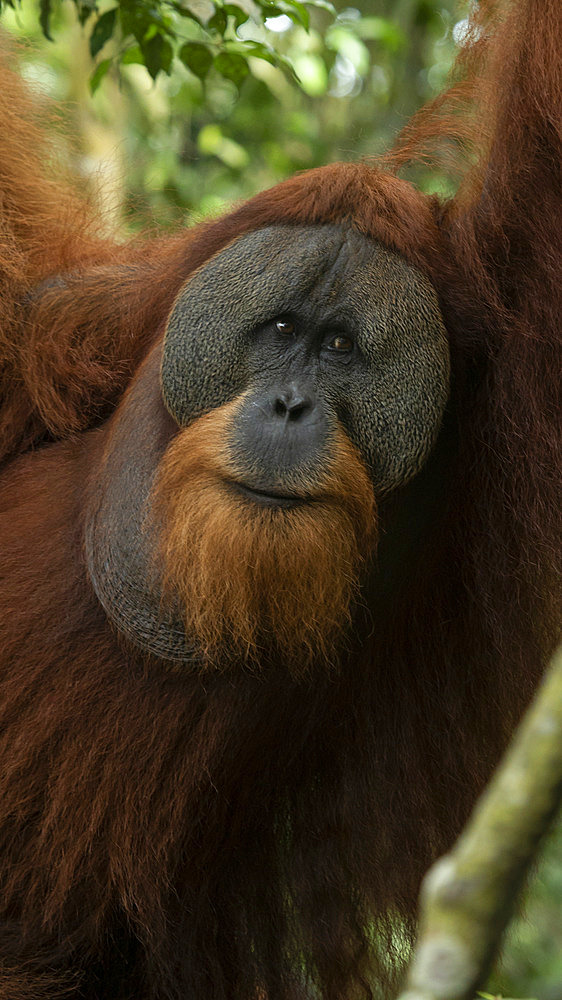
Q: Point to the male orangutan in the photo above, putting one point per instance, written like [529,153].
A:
[279,516]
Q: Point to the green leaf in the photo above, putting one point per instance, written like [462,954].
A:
[240,16]
[158,55]
[132,56]
[218,21]
[323,5]
[135,19]
[197,58]
[295,9]
[298,12]
[102,31]
[187,12]
[45,18]
[167,57]
[98,74]
[260,50]
[232,66]
[282,9]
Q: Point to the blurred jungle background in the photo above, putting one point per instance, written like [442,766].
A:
[172,112]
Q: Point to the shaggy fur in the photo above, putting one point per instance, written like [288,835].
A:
[250,580]
[239,834]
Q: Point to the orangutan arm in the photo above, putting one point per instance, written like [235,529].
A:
[78,310]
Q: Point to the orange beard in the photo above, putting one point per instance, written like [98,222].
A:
[253,579]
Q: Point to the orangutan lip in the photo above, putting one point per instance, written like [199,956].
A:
[268,499]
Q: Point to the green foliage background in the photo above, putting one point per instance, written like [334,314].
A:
[182,144]
[237,97]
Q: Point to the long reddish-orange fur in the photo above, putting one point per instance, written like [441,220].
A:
[221,557]
[233,835]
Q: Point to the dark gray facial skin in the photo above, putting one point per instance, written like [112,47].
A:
[305,328]
[314,326]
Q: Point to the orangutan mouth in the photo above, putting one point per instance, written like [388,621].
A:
[269,499]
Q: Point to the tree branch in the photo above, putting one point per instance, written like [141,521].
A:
[468,895]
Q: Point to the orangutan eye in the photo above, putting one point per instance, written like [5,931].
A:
[340,343]
[285,326]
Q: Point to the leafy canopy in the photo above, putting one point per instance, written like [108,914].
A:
[201,34]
